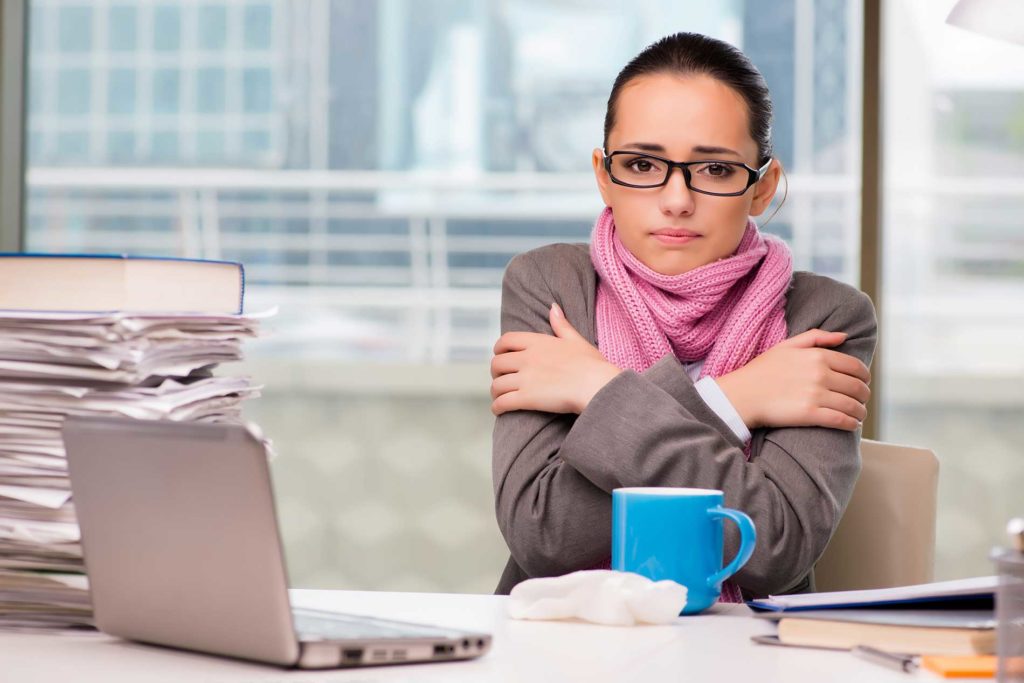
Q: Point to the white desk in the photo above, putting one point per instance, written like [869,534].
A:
[711,647]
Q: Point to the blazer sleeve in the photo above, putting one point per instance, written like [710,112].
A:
[553,474]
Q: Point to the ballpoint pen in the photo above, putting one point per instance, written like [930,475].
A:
[893,660]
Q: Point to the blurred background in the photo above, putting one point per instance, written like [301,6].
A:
[375,164]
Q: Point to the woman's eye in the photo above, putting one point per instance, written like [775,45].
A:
[717,170]
[642,165]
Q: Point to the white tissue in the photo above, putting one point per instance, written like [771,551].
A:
[602,596]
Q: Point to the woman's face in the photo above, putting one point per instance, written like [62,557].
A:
[672,229]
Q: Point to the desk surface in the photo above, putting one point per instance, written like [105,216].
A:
[709,647]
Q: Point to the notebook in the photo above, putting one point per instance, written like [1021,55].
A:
[65,282]
[977,593]
[917,631]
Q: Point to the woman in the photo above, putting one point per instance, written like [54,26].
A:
[679,348]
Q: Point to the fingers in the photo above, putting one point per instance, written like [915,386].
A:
[816,337]
[848,385]
[827,339]
[505,403]
[504,384]
[847,364]
[842,403]
[834,419]
[507,362]
[560,325]
[515,341]
[520,341]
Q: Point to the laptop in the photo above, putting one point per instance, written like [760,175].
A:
[182,548]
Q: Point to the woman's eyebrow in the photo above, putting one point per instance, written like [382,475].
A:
[704,149]
[699,149]
[645,146]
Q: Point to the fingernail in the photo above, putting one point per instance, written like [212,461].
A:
[557,310]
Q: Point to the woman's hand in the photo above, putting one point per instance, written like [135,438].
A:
[797,383]
[555,374]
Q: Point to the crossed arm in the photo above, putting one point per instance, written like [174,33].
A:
[571,427]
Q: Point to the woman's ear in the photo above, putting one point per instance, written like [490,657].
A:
[603,181]
[764,189]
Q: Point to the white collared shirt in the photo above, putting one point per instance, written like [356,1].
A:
[716,399]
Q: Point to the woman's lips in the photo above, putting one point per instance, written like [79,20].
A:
[674,235]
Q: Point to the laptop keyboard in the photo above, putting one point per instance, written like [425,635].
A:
[311,625]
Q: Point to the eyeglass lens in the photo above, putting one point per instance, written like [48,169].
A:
[709,176]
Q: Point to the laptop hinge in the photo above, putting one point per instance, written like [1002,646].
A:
[314,655]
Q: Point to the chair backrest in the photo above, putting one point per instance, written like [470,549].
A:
[887,535]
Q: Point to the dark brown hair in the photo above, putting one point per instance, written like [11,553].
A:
[688,54]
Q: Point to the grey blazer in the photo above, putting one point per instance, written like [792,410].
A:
[553,474]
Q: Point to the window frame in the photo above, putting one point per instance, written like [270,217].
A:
[13,63]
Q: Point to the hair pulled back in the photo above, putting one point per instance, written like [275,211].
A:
[692,54]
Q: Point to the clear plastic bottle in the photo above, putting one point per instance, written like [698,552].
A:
[1010,604]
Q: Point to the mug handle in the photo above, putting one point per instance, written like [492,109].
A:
[748,537]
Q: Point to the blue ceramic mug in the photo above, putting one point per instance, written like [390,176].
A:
[676,533]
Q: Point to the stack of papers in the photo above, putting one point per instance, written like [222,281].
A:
[958,592]
[943,618]
[52,601]
[145,366]
[117,347]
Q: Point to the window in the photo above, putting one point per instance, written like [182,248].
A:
[256,84]
[166,91]
[121,95]
[954,270]
[73,92]
[73,146]
[164,147]
[166,28]
[121,146]
[121,35]
[257,27]
[210,91]
[71,37]
[210,145]
[444,137]
[213,27]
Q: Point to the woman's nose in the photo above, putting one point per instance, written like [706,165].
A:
[676,198]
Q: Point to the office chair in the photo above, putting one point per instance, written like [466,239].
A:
[887,535]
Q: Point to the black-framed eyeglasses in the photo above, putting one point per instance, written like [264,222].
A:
[707,176]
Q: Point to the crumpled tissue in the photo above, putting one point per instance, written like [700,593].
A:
[601,596]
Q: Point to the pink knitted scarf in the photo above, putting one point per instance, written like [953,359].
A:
[725,313]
